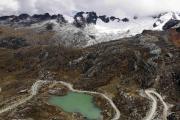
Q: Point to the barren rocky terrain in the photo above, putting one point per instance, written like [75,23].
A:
[122,69]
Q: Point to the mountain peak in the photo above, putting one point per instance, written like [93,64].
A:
[94,27]
[166,20]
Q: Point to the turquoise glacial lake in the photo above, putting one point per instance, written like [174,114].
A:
[79,103]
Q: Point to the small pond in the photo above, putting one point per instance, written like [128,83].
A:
[77,102]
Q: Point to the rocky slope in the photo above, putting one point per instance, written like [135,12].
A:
[119,68]
[32,45]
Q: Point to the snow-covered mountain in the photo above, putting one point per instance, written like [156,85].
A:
[87,28]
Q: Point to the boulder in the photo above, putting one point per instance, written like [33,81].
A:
[171,23]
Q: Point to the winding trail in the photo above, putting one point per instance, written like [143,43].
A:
[34,91]
[151,94]
[165,110]
[152,111]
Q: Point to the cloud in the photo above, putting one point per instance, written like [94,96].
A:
[110,7]
[27,6]
[8,7]
[55,6]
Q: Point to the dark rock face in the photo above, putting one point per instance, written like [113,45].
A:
[104,18]
[125,20]
[114,18]
[83,18]
[79,20]
[46,16]
[4,18]
[20,17]
[155,25]
[13,43]
[79,14]
[54,17]
[26,20]
[7,17]
[60,19]
[171,23]
[23,16]
[91,18]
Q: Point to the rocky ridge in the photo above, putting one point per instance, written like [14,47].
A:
[88,28]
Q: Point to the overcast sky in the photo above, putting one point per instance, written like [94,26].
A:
[110,7]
